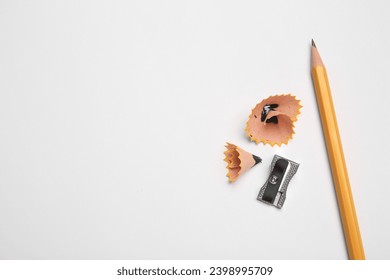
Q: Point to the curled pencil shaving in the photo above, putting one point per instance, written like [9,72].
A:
[238,161]
[272,120]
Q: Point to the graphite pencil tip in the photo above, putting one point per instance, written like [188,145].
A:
[313,44]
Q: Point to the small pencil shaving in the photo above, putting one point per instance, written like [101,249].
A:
[272,120]
[238,161]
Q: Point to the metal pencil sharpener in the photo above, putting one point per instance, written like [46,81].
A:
[274,190]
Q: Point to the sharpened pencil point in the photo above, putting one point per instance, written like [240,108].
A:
[313,44]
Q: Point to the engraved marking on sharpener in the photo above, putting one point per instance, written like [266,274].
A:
[274,190]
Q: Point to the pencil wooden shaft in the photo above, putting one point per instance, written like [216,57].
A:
[337,163]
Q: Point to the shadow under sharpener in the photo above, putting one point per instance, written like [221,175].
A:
[274,190]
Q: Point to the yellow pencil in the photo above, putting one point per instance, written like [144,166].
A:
[336,157]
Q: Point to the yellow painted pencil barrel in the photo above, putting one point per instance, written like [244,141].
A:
[336,158]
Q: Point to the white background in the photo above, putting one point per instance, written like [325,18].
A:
[114,115]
